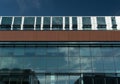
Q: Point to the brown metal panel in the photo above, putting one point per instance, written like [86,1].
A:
[115,35]
[60,35]
[100,36]
[81,35]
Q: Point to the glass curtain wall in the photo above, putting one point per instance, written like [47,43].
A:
[61,62]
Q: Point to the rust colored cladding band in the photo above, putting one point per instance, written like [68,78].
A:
[94,35]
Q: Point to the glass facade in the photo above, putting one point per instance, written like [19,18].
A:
[59,62]
[63,62]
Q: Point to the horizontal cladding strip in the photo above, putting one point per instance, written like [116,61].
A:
[60,35]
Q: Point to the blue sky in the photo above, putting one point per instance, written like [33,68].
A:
[59,7]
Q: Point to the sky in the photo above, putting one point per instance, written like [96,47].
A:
[59,7]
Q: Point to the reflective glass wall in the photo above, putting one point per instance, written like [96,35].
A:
[78,57]
[61,61]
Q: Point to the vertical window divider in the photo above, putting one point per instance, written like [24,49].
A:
[51,23]
[108,23]
[22,23]
[78,27]
[35,22]
[42,18]
[80,24]
[70,23]
[118,22]
[63,23]
[94,23]
[12,23]
[0,20]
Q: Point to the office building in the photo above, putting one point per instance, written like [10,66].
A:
[62,49]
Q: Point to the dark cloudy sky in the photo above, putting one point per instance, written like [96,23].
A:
[60,7]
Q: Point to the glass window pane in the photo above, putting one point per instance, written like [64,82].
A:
[57,20]
[66,23]
[74,20]
[74,64]
[63,51]
[19,51]
[30,51]
[62,64]
[101,20]
[86,23]
[116,51]
[28,23]
[66,20]
[7,51]
[40,64]
[46,23]
[52,51]
[38,23]
[51,79]
[7,62]
[73,80]
[86,64]
[42,79]
[117,64]
[17,23]
[86,20]
[74,51]
[57,23]
[97,64]
[107,51]
[109,64]
[85,51]
[63,79]
[24,62]
[52,63]
[38,20]
[17,20]
[63,59]
[96,51]
[101,23]
[114,25]
[6,20]
[74,23]
[28,20]
[6,23]
[41,51]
